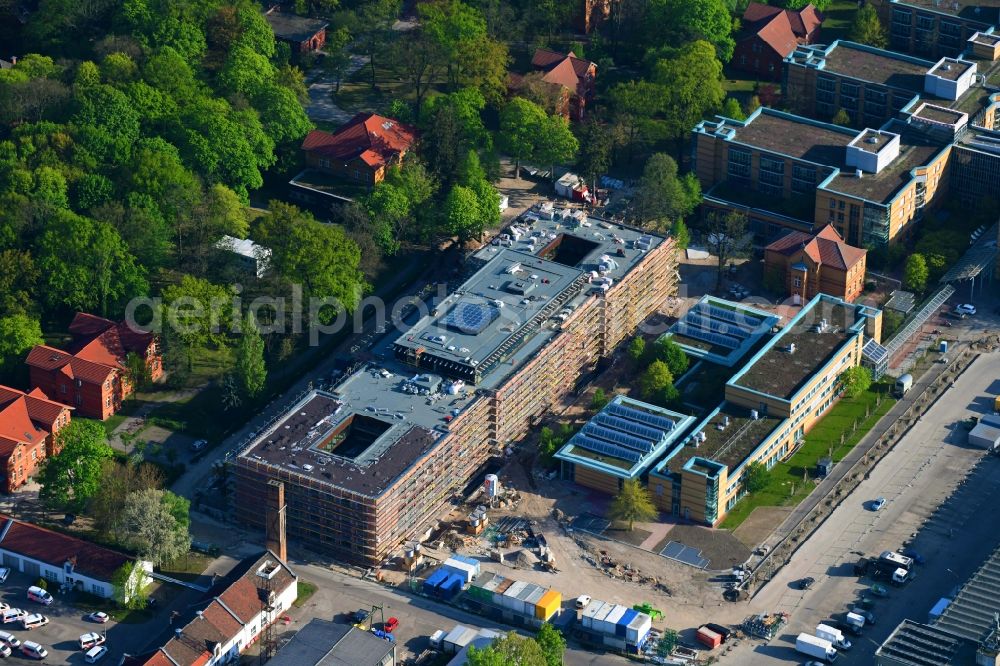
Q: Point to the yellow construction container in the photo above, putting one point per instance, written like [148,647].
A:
[548,605]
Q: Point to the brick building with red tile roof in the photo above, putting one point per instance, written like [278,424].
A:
[231,617]
[809,264]
[770,34]
[61,558]
[92,376]
[28,425]
[574,76]
[362,150]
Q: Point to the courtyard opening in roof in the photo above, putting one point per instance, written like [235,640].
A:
[354,435]
[568,250]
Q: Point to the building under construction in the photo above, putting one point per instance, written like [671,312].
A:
[370,462]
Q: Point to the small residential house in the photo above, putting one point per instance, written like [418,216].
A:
[231,617]
[809,264]
[29,423]
[92,377]
[574,77]
[62,559]
[361,151]
[303,35]
[770,34]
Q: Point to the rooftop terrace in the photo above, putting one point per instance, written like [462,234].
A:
[780,372]
[939,114]
[625,437]
[877,66]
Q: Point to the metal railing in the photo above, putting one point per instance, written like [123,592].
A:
[903,335]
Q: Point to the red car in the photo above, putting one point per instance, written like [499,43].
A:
[390,625]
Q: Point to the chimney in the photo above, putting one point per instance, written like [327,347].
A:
[201,615]
[178,631]
[274,519]
[13,60]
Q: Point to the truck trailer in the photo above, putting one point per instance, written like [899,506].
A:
[834,635]
[815,647]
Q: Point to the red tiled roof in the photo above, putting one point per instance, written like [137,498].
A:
[806,20]
[549,61]
[373,138]
[55,549]
[563,74]
[777,33]
[826,247]
[756,11]
[7,446]
[120,338]
[50,358]
[16,423]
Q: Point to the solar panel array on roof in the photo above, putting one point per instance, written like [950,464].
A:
[874,352]
[643,417]
[624,439]
[722,327]
[920,645]
[707,336]
[607,448]
[470,318]
[625,425]
[741,318]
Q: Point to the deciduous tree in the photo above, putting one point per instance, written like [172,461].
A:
[151,529]
[251,370]
[71,477]
[19,333]
[520,121]
[552,643]
[728,238]
[915,273]
[511,650]
[855,381]
[868,29]
[662,197]
[128,583]
[756,477]
[633,503]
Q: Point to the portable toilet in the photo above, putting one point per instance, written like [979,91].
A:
[943,346]
[824,467]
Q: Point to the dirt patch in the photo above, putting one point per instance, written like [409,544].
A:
[760,524]
[719,547]
[634,538]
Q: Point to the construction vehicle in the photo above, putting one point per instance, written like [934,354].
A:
[648,609]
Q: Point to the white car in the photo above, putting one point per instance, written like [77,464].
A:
[100,617]
[90,640]
[582,600]
[34,621]
[9,615]
[966,309]
[199,445]
[5,650]
[8,639]
[95,654]
[33,650]
[4,572]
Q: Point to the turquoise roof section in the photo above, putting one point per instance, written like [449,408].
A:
[625,438]
[721,331]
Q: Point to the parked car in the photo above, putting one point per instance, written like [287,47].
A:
[4,572]
[867,614]
[33,650]
[95,654]
[12,615]
[5,650]
[360,615]
[390,625]
[965,309]
[877,504]
[806,583]
[199,445]
[36,593]
[582,600]
[100,617]
[8,639]
[879,590]
[33,621]
[90,640]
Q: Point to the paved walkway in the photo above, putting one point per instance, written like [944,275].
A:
[321,90]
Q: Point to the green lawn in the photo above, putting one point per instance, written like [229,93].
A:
[188,568]
[305,589]
[112,422]
[838,18]
[786,486]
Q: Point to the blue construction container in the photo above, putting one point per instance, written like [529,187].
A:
[451,586]
[435,579]
[621,626]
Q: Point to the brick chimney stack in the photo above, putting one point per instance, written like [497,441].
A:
[274,520]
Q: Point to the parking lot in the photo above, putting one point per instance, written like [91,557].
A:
[66,624]
[937,488]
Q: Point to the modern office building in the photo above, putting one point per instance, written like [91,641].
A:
[620,443]
[936,28]
[791,173]
[770,403]
[370,462]
[721,331]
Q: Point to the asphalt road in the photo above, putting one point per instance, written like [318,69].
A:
[937,487]
[419,617]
